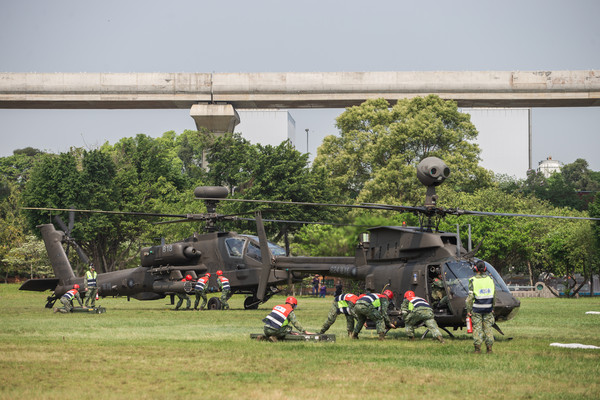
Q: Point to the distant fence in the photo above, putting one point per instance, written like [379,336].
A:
[538,290]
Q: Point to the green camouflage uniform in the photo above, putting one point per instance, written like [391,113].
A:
[67,302]
[200,294]
[285,329]
[438,293]
[183,296]
[200,289]
[412,318]
[334,311]
[364,311]
[482,322]
[92,288]
[225,295]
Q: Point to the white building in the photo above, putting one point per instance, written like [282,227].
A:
[549,166]
[267,126]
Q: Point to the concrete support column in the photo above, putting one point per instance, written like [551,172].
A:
[216,118]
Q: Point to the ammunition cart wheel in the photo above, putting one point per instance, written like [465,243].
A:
[214,303]
[251,303]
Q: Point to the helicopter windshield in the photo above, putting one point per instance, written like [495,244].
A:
[235,246]
[254,250]
[457,274]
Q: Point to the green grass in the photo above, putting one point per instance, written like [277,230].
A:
[144,350]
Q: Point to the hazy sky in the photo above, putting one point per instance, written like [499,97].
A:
[280,36]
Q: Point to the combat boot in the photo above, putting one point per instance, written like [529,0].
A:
[273,339]
[382,336]
[440,339]
[477,349]
[354,335]
[489,349]
[260,338]
[349,334]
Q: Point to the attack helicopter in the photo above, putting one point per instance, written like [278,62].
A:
[163,267]
[401,258]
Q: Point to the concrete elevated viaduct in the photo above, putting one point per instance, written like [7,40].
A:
[213,97]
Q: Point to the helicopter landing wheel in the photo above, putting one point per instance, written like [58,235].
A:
[214,303]
[251,303]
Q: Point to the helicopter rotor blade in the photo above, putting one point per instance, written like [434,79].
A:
[285,221]
[134,213]
[295,203]
[459,212]
[265,254]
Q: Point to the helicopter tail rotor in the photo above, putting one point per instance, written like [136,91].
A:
[70,241]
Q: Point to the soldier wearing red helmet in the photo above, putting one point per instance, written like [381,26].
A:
[67,300]
[200,290]
[416,310]
[225,290]
[280,320]
[184,296]
[373,306]
[342,304]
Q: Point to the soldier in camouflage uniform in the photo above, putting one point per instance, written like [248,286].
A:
[373,306]
[225,290]
[184,296]
[342,304]
[200,290]
[279,322]
[480,307]
[438,293]
[416,310]
[67,300]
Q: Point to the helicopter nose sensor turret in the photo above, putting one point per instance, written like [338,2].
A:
[432,171]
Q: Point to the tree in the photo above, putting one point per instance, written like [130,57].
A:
[29,258]
[374,158]
[136,174]
[12,224]
[231,161]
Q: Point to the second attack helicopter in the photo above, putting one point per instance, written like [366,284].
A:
[406,258]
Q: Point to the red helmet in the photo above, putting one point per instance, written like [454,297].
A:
[188,278]
[75,286]
[219,273]
[207,274]
[291,300]
[389,294]
[351,298]
[409,295]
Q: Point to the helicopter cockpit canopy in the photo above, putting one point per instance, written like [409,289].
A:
[457,274]
[235,247]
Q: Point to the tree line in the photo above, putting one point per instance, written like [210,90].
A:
[372,159]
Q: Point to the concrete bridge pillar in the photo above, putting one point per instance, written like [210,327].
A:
[216,118]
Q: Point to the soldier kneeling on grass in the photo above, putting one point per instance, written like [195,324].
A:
[279,322]
[67,300]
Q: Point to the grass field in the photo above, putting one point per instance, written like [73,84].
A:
[143,350]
